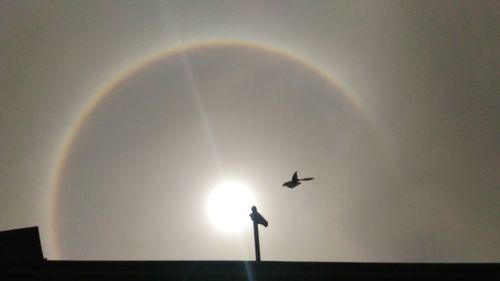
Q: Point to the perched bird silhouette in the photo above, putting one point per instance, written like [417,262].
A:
[257,217]
[295,181]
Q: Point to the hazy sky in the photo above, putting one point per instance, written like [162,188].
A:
[113,135]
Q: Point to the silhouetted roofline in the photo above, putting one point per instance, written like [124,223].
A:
[243,270]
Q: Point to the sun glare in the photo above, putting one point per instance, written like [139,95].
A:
[229,205]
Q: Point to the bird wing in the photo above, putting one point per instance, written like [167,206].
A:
[294,178]
[306,179]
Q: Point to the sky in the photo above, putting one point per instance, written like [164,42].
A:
[118,119]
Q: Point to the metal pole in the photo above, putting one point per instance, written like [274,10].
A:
[257,219]
[256,238]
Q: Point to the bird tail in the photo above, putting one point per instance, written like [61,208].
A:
[306,179]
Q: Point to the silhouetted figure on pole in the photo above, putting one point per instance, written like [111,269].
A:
[257,219]
[295,181]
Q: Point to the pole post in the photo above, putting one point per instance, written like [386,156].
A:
[256,239]
[257,219]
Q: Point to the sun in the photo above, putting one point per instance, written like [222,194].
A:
[229,206]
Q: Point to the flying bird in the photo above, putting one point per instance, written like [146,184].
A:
[295,181]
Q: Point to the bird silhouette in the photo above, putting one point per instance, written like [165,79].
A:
[257,217]
[295,181]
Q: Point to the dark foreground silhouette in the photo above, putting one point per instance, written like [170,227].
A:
[28,264]
[295,181]
[243,270]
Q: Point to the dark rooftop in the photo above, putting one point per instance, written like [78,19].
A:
[241,270]
[21,258]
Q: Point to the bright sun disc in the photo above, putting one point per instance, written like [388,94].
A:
[229,206]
